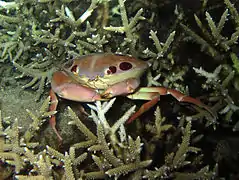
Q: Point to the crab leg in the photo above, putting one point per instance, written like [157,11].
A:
[52,121]
[68,89]
[153,95]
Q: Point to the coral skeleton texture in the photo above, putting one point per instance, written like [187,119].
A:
[191,46]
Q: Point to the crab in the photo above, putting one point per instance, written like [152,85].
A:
[101,76]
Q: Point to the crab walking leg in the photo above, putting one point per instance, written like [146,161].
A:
[153,94]
[145,107]
[53,106]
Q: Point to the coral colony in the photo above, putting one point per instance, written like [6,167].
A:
[193,50]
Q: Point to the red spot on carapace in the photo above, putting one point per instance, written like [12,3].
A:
[124,66]
[74,68]
[111,70]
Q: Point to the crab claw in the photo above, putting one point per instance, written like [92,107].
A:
[67,88]
[121,88]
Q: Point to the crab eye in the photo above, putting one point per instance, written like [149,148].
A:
[111,70]
[68,64]
[124,66]
[74,69]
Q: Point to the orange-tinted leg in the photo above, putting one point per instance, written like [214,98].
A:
[145,107]
[153,94]
[53,106]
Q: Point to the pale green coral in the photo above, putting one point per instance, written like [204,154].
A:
[128,27]
[227,106]
[159,127]
[176,160]
[37,37]
[122,163]
[214,38]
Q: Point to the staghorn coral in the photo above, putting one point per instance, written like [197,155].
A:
[224,103]
[159,127]
[128,27]
[38,36]
[174,161]
[109,164]
[215,43]
[15,149]
[220,43]
[122,155]
[112,151]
